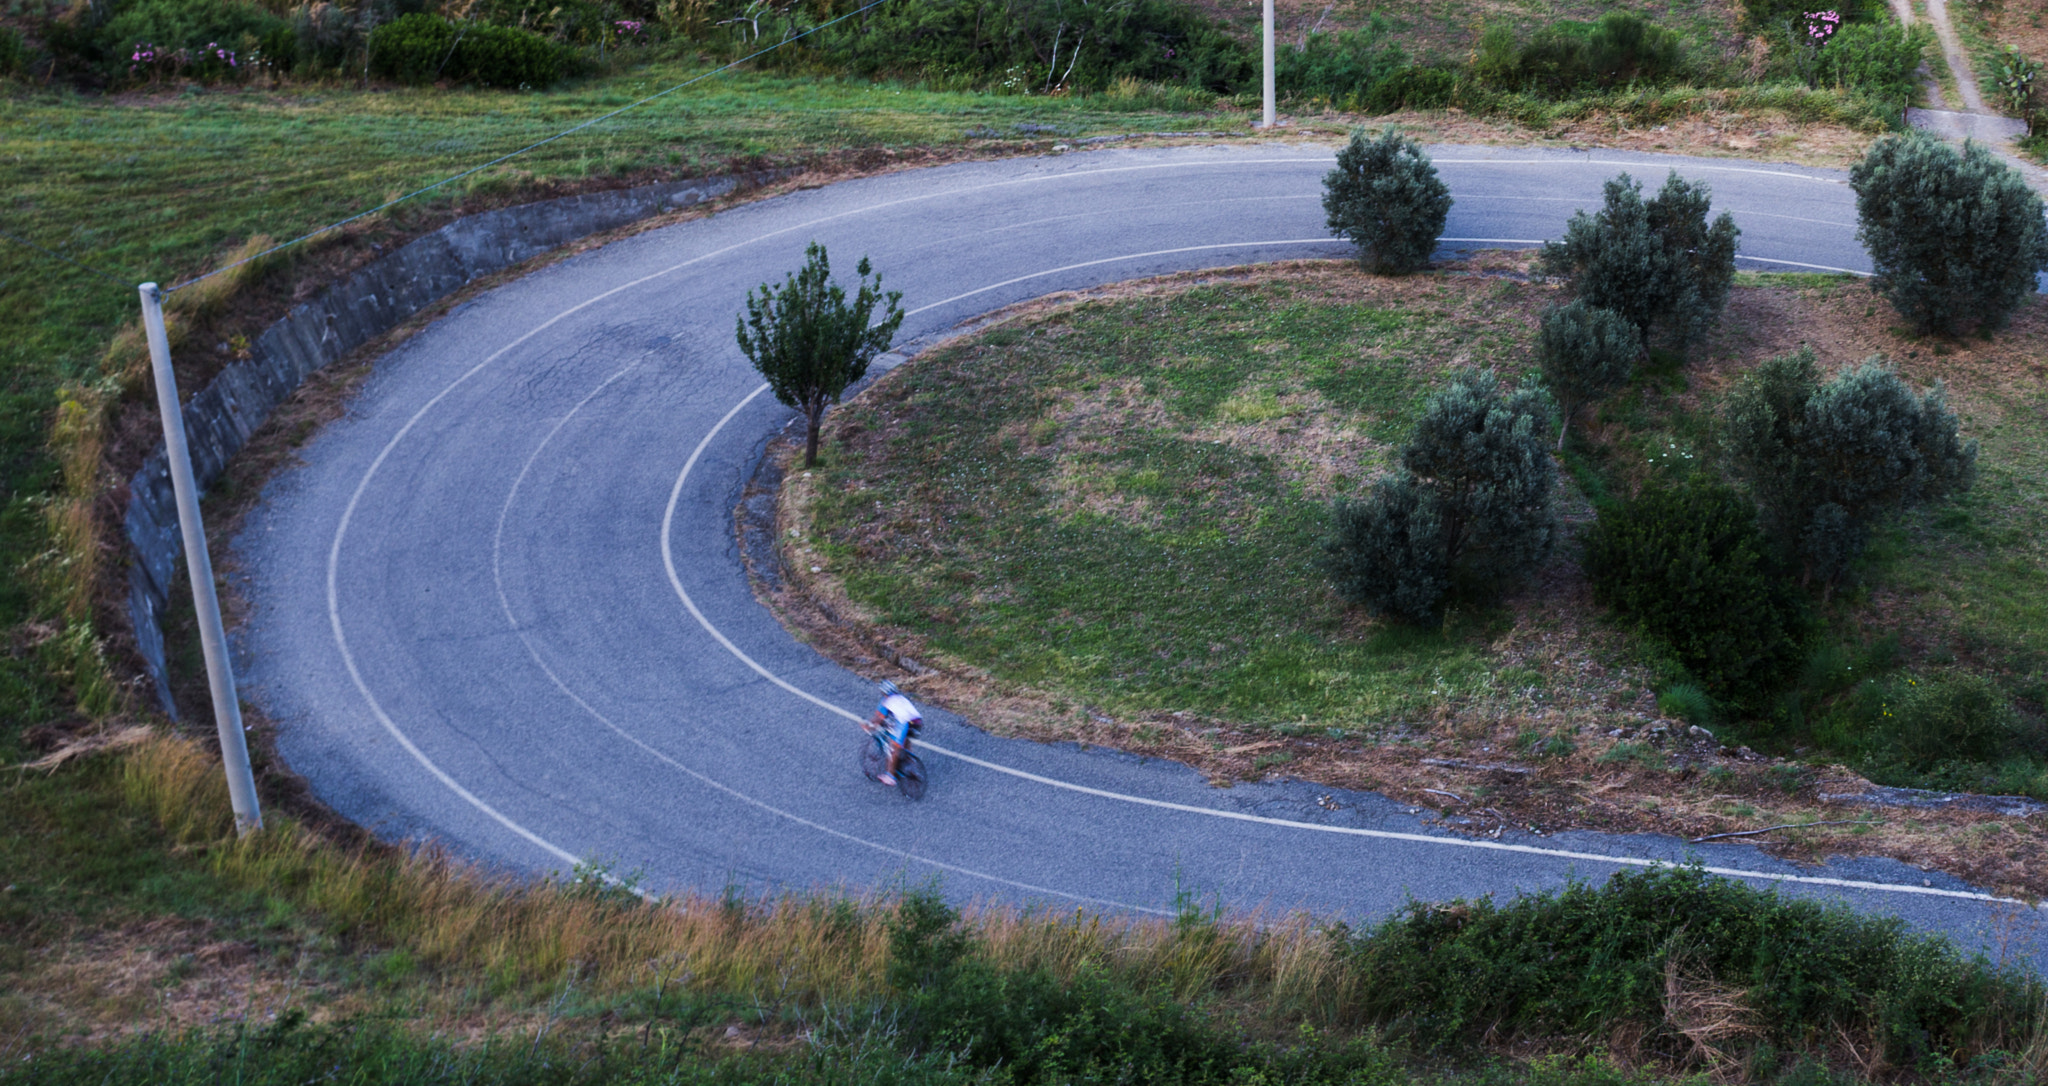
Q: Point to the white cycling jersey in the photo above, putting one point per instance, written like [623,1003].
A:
[900,707]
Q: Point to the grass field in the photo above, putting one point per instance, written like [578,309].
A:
[1121,503]
[1110,502]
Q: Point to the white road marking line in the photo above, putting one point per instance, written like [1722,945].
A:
[391,726]
[355,498]
[533,651]
[1594,160]
[1797,264]
[1120,259]
[675,581]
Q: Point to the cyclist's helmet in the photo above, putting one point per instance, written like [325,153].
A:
[889,689]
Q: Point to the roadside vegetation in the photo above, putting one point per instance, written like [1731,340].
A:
[156,947]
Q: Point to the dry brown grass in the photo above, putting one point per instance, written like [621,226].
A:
[793,951]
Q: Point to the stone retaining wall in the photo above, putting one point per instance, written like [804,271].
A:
[221,418]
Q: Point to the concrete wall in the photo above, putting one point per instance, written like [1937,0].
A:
[221,418]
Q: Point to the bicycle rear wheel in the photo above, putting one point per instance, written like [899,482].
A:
[910,776]
[872,760]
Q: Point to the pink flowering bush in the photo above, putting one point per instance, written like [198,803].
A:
[204,40]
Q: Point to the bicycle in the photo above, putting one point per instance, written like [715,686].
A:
[874,760]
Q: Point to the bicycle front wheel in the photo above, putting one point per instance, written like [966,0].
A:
[910,776]
[872,761]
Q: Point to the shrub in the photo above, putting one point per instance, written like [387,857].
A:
[1562,58]
[416,48]
[1826,461]
[1386,553]
[1468,512]
[14,52]
[1879,58]
[193,39]
[582,22]
[423,48]
[1386,197]
[1771,16]
[1345,65]
[1688,564]
[1411,88]
[1956,238]
[1586,352]
[1046,43]
[810,343]
[1657,263]
[1921,723]
[1625,48]
[1587,959]
[503,56]
[1687,702]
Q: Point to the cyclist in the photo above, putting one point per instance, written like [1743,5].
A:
[898,720]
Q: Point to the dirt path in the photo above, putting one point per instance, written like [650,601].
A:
[1974,120]
[1952,51]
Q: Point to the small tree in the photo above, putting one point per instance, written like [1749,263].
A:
[1586,352]
[809,343]
[1468,512]
[1956,238]
[1385,196]
[1825,461]
[1659,264]
[1688,564]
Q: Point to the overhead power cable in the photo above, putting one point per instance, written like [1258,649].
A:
[529,147]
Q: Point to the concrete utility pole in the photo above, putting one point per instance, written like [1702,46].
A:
[213,638]
[1270,118]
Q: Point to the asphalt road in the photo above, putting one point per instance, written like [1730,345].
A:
[499,605]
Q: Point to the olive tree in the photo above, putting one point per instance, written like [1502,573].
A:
[1658,262]
[810,343]
[1586,352]
[1826,460]
[1386,197]
[1956,237]
[1468,511]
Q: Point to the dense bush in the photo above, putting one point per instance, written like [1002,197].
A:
[1920,723]
[1956,238]
[1586,352]
[1826,461]
[14,52]
[1030,45]
[1468,512]
[205,40]
[1879,58]
[1658,263]
[579,22]
[1772,16]
[1387,199]
[1361,70]
[1339,67]
[1689,565]
[422,48]
[1411,87]
[1585,960]
[1562,58]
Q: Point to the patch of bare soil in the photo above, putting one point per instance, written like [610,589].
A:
[166,974]
[1593,754]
